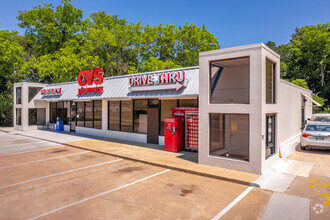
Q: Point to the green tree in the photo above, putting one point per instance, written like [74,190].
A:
[12,62]
[155,64]
[309,55]
[192,40]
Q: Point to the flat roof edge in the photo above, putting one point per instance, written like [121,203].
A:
[238,48]
[294,85]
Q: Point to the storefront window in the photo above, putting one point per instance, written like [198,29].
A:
[230,81]
[18,116]
[270,82]
[33,91]
[140,116]
[98,114]
[229,135]
[127,116]
[89,114]
[62,112]
[80,114]
[114,115]
[58,109]
[37,116]
[188,103]
[165,112]
[18,95]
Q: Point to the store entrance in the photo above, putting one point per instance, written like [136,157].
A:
[153,122]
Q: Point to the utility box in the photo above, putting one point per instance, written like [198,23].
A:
[174,134]
[59,124]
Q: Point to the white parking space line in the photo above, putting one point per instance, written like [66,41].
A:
[98,195]
[28,151]
[56,174]
[52,158]
[232,204]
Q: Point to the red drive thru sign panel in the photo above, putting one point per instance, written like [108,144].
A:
[87,77]
[190,115]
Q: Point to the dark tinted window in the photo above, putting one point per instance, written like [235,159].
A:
[114,115]
[89,114]
[325,128]
[18,116]
[188,103]
[98,114]
[80,114]
[18,95]
[127,116]
[165,112]
[270,82]
[33,92]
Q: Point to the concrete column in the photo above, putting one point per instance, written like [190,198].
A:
[104,114]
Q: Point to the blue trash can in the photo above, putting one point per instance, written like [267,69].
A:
[59,124]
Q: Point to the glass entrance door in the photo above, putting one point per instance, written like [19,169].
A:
[73,117]
[270,135]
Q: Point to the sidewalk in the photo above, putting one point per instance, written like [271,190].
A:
[146,153]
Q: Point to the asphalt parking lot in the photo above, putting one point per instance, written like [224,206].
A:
[61,182]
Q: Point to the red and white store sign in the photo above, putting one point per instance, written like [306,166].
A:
[157,81]
[90,77]
[55,91]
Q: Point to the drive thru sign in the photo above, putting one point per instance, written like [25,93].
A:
[157,81]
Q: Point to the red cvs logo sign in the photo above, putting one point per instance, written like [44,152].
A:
[87,77]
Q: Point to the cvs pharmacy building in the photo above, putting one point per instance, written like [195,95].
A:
[234,108]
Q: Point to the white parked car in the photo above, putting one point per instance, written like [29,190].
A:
[316,135]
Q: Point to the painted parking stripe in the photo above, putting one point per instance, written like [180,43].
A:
[232,204]
[52,158]
[98,195]
[56,174]
[28,151]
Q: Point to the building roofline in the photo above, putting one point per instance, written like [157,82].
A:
[294,85]
[133,74]
[239,48]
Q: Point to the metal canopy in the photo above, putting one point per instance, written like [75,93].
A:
[311,100]
[118,88]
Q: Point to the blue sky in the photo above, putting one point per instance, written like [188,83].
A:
[234,23]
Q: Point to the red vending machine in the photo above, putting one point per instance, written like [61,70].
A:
[174,134]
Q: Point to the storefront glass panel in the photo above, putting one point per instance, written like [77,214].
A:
[188,103]
[230,81]
[98,114]
[127,116]
[89,114]
[18,95]
[270,135]
[270,82]
[165,112]
[61,112]
[18,116]
[37,116]
[229,135]
[33,92]
[80,114]
[114,115]
[140,116]
[53,112]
